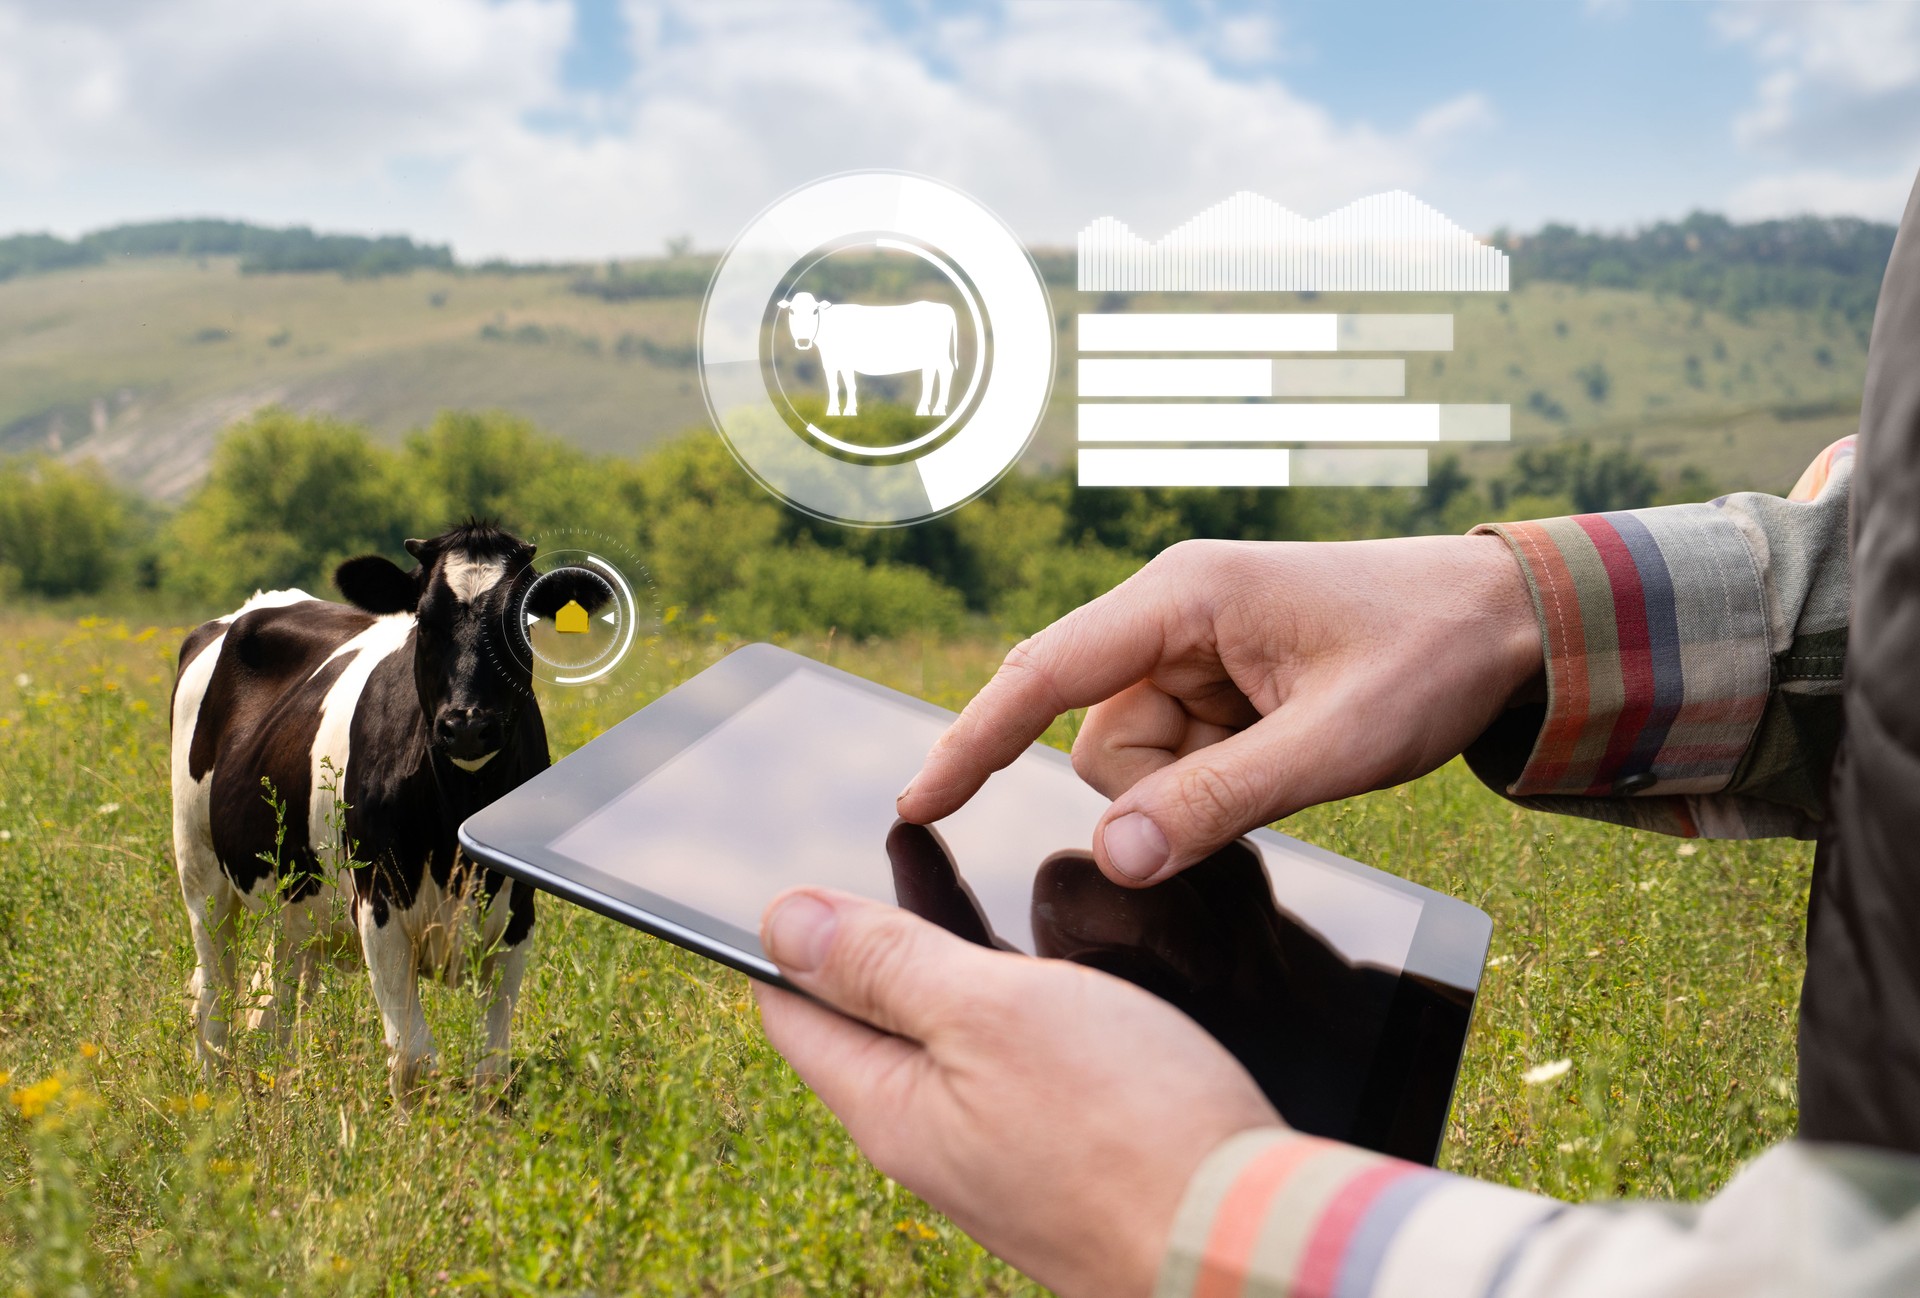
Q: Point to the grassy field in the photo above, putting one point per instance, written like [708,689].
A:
[656,1145]
[140,363]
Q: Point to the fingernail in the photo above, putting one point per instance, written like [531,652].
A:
[1135,846]
[799,932]
[902,795]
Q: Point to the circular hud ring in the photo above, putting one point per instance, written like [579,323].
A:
[577,622]
[994,424]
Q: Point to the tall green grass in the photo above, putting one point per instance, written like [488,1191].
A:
[655,1144]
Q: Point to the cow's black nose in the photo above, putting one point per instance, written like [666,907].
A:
[467,732]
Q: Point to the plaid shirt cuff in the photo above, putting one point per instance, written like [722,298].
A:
[1280,1215]
[1654,624]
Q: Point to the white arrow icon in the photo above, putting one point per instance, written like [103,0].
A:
[531,619]
[608,617]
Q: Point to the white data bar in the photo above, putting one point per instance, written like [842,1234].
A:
[1131,467]
[1248,331]
[1238,467]
[1208,378]
[1349,421]
[1239,332]
[1131,377]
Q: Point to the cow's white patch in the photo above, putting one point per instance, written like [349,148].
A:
[332,740]
[192,827]
[476,763]
[468,579]
[192,819]
[270,599]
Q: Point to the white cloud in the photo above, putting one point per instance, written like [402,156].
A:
[1819,192]
[417,116]
[1842,76]
[1837,99]
[1445,121]
[1053,114]
[225,86]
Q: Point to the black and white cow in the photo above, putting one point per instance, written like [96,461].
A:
[376,728]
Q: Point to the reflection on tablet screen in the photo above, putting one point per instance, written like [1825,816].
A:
[1290,962]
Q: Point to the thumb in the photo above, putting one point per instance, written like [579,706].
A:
[871,961]
[1189,809]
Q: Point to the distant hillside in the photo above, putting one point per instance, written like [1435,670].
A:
[1805,264]
[1736,348]
[261,250]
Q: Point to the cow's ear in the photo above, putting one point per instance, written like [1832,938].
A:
[568,585]
[824,304]
[784,303]
[420,550]
[376,584]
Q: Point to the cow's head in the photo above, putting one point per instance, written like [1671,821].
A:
[803,317]
[469,584]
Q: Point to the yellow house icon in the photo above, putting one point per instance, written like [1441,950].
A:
[571,619]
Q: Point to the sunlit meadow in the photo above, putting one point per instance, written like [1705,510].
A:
[1634,1036]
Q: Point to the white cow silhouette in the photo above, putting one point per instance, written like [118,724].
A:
[854,339]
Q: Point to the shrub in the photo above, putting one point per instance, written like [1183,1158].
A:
[63,528]
[1058,579]
[288,498]
[805,588]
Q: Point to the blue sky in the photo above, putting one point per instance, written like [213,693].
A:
[571,128]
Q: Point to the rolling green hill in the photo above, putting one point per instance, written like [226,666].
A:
[139,362]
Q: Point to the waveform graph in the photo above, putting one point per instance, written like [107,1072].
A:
[1384,243]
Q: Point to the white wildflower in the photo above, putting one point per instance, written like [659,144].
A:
[1687,849]
[23,680]
[1498,960]
[106,808]
[6,835]
[1546,1072]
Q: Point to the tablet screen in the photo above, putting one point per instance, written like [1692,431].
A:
[1292,961]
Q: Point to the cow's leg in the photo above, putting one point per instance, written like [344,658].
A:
[926,392]
[944,374]
[853,393]
[506,935]
[293,963]
[833,387]
[210,917]
[502,972]
[396,989]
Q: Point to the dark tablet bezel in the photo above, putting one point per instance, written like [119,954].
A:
[1427,1022]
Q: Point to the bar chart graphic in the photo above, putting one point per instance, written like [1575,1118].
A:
[1385,243]
[1206,397]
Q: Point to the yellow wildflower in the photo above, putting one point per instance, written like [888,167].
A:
[5,1077]
[89,1051]
[32,1101]
[202,1101]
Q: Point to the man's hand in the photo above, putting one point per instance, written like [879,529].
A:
[1053,1112]
[1233,683]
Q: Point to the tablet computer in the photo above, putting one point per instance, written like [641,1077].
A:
[1344,990]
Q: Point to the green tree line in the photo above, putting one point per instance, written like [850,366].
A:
[261,250]
[289,496]
[1803,264]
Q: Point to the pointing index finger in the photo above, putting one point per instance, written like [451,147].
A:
[1086,657]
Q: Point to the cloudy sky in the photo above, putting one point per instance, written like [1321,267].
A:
[586,128]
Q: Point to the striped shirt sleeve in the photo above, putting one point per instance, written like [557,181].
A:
[1693,657]
[1273,1214]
